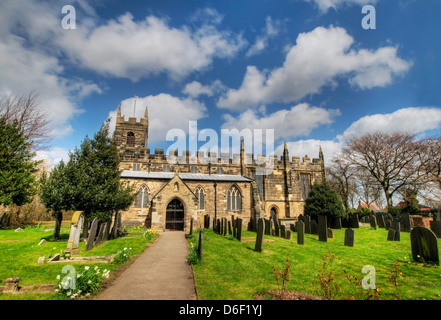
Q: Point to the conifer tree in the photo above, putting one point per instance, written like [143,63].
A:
[323,200]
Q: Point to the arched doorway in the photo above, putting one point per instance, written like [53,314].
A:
[273,213]
[175,215]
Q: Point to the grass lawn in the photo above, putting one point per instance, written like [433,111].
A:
[232,270]
[19,253]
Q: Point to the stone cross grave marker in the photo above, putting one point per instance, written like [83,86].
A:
[424,245]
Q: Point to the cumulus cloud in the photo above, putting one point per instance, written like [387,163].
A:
[310,148]
[316,60]
[272,29]
[194,89]
[160,108]
[136,49]
[300,120]
[52,157]
[414,120]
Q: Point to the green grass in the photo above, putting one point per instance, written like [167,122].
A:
[232,270]
[19,253]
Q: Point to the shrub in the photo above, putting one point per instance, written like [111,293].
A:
[323,200]
[81,284]
[151,234]
[192,257]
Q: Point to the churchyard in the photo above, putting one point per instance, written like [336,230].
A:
[335,267]
[21,252]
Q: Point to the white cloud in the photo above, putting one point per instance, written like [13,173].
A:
[272,29]
[136,49]
[325,5]
[195,89]
[165,112]
[287,123]
[414,120]
[52,157]
[315,61]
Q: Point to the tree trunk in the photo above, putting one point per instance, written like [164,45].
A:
[58,220]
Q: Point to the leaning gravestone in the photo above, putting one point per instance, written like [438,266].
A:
[396,227]
[92,234]
[391,235]
[322,228]
[260,235]
[424,245]
[100,236]
[300,228]
[107,230]
[74,236]
[435,226]
[349,237]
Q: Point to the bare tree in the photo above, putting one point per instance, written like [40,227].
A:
[32,119]
[433,153]
[367,188]
[341,177]
[394,160]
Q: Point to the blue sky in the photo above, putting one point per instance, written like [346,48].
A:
[305,68]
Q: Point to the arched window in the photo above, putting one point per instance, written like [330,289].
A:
[142,199]
[130,138]
[200,195]
[234,199]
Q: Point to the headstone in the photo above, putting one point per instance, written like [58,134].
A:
[373,221]
[260,235]
[19,230]
[200,243]
[268,226]
[390,234]
[41,260]
[225,226]
[239,229]
[380,221]
[276,226]
[335,222]
[206,221]
[405,222]
[396,227]
[424,245]
[300,226]
[229,227]
[301,217]
[349,237]
[100,235]
[11,285]
[233,224]
[354,222]
[92,234]
[435,226]
[330,233]
[191,226]
[313,226]
[56,257]
[307,221]
[322,228]
[41,242]
[289,234]
[282,231]
[387,224]
[74,236]
[107,230]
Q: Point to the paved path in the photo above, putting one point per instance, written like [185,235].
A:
[160,273]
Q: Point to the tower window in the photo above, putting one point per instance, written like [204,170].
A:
[130,138]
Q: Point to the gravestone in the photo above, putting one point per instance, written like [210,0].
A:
[289,234]
[354,222]
[435,226]
[300,228]
[391,235]
[380,221]
[239,229]
[107,230]
[11,285]
[224,226]
[424,245]
[307,221]
[191,226]
[373,221]
[92,234]
[395,225]
[260,234]
[100,235]
[330,233]
[206,221]
[200,243]
[405,222]
[268,226]
[229,228]
[233,224]
[276,227]
[74,236]
[301,218]
[387,224]
[322,228]
[313,226]
[335,222]
[282,231]
[349,237]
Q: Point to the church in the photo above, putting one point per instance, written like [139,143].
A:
[170,194]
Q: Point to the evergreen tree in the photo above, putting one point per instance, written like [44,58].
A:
[17,180]
[323,200]
[95,177]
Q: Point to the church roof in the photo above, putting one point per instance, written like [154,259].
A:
[184,176]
